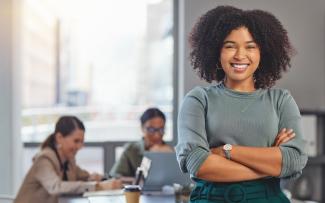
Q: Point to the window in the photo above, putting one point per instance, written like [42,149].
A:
[103,61]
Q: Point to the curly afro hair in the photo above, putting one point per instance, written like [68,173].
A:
[207,36]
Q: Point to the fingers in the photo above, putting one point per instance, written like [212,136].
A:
[284,136]
[110,184]
[287,139]
[95,177]
[115,184]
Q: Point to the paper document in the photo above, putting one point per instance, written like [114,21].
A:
[103,193]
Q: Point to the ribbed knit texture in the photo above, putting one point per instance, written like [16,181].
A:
[212,116]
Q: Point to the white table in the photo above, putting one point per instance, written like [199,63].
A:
[117,199]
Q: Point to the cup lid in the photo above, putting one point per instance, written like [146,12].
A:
[132,188]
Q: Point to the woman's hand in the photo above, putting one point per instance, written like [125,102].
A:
[218,151]
[111,184]
[95,177]
[284,136]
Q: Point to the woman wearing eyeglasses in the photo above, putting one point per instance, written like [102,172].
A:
[153,128]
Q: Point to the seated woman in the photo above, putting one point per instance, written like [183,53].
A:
[153,128]
[54,170]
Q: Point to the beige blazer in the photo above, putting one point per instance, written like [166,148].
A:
[43,182]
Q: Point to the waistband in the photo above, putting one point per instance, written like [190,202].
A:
[237,192]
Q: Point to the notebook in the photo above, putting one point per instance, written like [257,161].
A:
[164,171]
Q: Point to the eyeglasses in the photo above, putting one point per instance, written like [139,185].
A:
[152,130]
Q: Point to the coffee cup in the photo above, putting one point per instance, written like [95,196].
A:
[132,193]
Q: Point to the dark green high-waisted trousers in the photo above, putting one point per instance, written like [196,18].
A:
[257,191]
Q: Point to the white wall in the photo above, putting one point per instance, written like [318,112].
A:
[10,144]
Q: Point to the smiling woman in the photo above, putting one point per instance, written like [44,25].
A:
[55,172]
[239,58]
[240,137]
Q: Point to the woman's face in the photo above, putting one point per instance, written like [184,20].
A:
[71,144]
[153,131]
[239,57]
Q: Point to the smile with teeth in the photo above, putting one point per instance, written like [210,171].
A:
[239,66]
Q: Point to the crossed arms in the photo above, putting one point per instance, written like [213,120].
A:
[199,116]
[247,163]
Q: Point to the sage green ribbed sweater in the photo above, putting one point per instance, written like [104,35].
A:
[212,116]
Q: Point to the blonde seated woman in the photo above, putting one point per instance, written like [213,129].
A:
[54,171]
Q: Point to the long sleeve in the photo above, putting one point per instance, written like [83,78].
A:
[294,157]
[122,167]
[212,116]
[81,174]
[129,161]
[192,148]
[48,178]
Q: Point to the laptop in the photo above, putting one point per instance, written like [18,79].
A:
[163,171]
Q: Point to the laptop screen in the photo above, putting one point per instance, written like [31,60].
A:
[164,170]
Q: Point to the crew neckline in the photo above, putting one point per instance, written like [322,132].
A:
[235,93]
